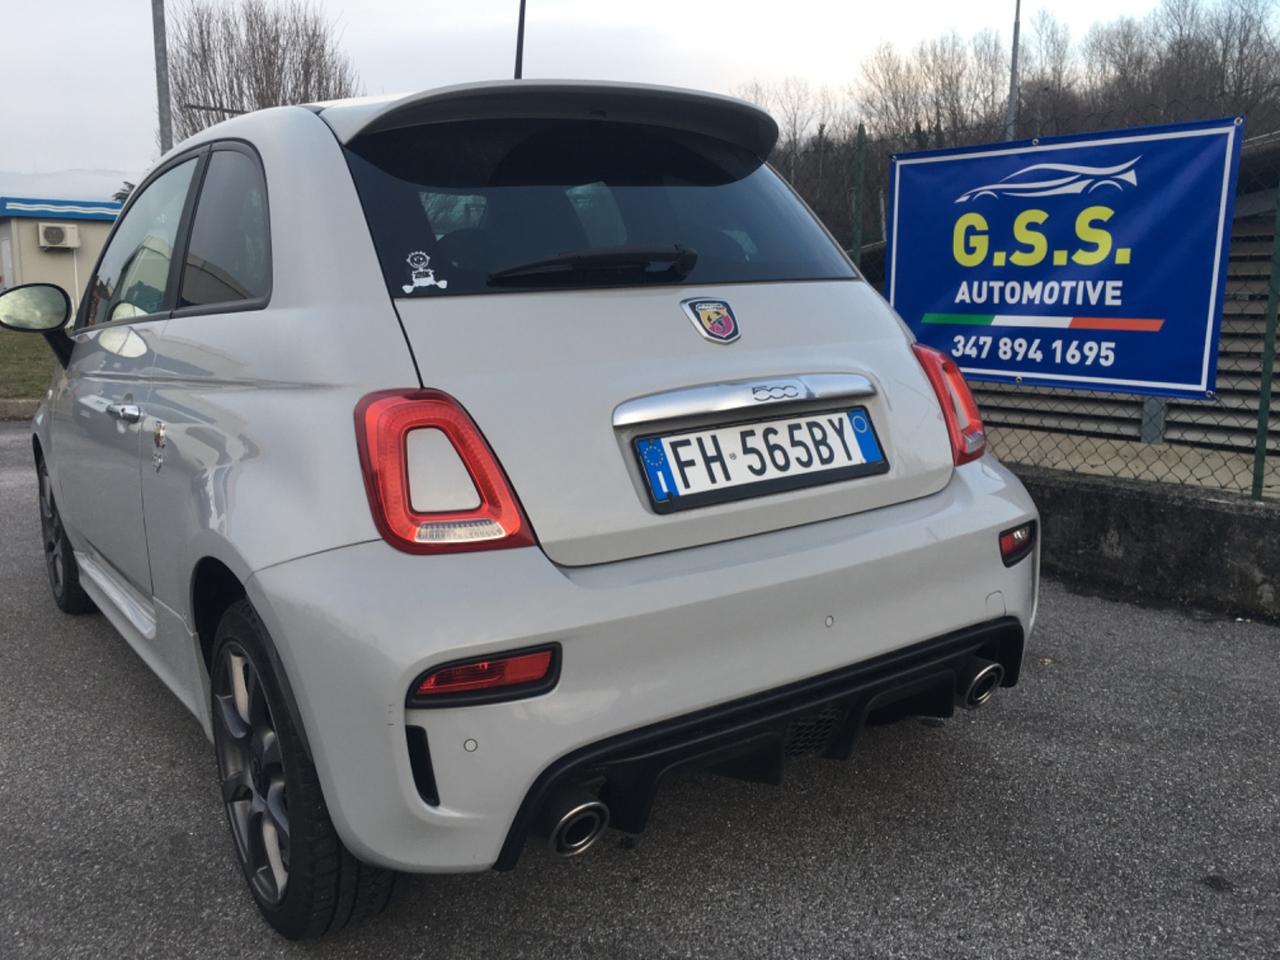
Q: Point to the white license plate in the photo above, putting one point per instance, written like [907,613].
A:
[701,467]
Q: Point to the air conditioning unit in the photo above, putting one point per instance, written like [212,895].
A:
[62,236]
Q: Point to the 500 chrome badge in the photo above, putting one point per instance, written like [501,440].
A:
[713,319]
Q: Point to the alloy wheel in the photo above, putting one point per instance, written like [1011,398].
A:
[251,767]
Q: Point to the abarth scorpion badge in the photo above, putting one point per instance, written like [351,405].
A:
[713,319]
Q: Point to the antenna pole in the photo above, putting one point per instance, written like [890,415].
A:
[520,44]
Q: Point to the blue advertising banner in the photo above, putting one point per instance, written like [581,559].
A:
[1096,261]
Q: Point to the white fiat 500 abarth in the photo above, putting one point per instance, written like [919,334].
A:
[468,461]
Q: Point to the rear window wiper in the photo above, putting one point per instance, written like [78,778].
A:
[680,260]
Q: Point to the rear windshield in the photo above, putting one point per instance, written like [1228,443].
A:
[492,206]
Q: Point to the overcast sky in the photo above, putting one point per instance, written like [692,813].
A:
[80,87]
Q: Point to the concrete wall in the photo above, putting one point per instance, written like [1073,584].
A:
[1158,541]
[69,269]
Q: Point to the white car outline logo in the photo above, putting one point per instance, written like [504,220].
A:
[1055,179]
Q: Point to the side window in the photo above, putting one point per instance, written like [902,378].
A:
[134,270]
[229,255]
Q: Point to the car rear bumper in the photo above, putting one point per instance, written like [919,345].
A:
[758,631]
[751,738]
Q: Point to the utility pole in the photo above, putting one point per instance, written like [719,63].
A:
[1011,118]
[520,44]
[162,75]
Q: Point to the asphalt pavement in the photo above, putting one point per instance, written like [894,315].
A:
[1120,802]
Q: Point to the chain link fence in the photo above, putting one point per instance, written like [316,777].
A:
[1228,441]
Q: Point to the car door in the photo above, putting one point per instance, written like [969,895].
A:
[214,349]
[99,404]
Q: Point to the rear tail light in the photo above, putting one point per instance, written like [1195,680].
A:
[505,677]
[959,409]
[434,485]
[1017,543]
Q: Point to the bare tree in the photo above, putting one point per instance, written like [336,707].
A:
[1189,59]
[892,92]
[761,94]
[990,79]
[944,62]
[229,58]
[1050,99]
[1049,55]
[1245,49]
[949,90]
[1119,58]
[815,152]
[795,106]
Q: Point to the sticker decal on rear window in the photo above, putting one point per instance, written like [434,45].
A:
[420,274]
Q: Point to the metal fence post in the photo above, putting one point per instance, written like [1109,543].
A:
[1154,411]
[1268,363]
[859,171]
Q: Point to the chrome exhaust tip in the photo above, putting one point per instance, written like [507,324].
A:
[978,682]
[574,821]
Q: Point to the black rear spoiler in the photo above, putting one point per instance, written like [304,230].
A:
[724,118]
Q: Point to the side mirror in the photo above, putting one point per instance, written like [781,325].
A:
[39,308]
[34,308]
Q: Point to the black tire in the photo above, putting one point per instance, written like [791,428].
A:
[302,878]
[59,558]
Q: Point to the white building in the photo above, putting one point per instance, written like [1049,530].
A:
[52,241]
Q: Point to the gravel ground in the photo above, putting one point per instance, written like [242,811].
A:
[1120,802]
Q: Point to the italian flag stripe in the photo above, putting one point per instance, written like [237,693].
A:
[1132,324]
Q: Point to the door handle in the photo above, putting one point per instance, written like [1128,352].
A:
[128,412]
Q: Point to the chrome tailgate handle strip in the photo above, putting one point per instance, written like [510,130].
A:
[738,395]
